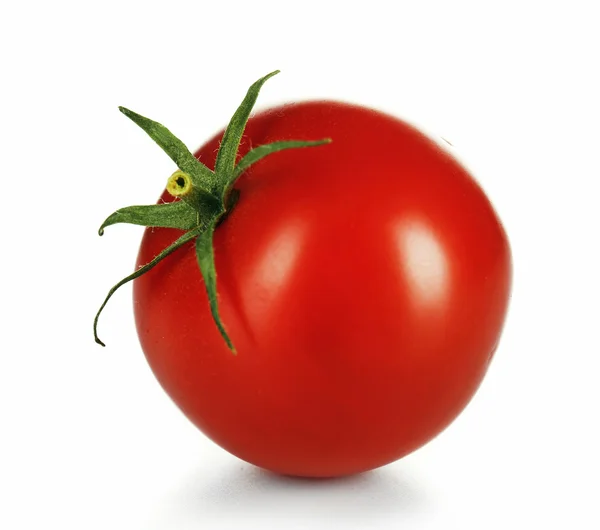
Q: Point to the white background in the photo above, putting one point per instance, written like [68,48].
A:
[89,440]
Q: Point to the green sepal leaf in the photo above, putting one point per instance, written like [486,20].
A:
[202,176]
[201,208]
[206,262]
[233,134]
[265,150]
[185,238]
[177,214]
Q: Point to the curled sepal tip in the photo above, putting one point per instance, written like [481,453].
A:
[206,262]
[185,238]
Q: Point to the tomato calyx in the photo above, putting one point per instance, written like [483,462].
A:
[203,197]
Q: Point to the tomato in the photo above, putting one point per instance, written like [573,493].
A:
[365,285]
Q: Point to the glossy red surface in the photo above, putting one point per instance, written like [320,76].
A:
[364,283]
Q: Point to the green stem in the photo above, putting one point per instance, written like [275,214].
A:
[181,186]
[206,197]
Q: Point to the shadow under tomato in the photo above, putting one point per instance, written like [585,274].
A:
[246,491]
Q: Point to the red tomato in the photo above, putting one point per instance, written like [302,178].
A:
[364,284]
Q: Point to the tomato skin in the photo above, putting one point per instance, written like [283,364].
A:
[364,283]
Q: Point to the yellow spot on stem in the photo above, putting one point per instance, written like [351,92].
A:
[179,184]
